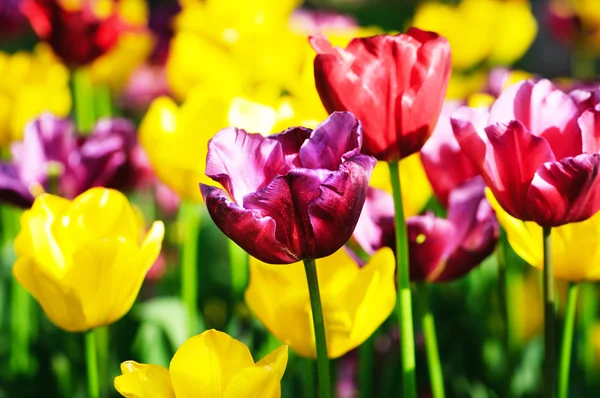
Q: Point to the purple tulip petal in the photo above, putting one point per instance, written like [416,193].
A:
[589,123]
[462,206]
[375,227]
[428,245]
[338,137]
[12,189]
[46,140]
[566,191]
[244,163]
[252,231]
[291,141]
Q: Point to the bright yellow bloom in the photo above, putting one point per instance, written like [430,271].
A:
[211,364]
[30,84]
[355,300]
[133,47]
[575,246]
[416,187]
[478,30]
[84,260]
[176,140]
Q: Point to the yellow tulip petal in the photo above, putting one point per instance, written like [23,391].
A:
[144,381]
[205,364]
[372,296]
[335,272]
[514,38]
[262,380]
[60,303]
[105,274]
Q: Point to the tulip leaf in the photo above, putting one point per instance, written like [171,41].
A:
[169,314]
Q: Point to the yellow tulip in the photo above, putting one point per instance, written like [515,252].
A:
[575,246]
[355,300]
[211,364]
[478,30]
[30,84]
[176,140]
[417,189]
[84,260]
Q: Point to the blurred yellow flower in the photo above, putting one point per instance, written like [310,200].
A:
[211,364]
[478,30]
[133,47]
[575,246]
[355,300]
[417,189]
[30,84]
[176,140]
[528,309]
[84,260]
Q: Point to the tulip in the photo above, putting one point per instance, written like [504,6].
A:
[30,84]
[439,249]
[291,196]
[51,158]
[212,364]
[78,34]
[12,20]
[445,164]
[356,300]
[537,154]
[413,67]
[176,138]
[575,246]
[84,260]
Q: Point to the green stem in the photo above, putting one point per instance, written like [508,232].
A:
[83,101]
[21,308]
[91,358]
[365,363]
[103,101]
[189,217]
[567,341]
[587,319]
[308,379]
[549,318]
[405,318]
[238,268]
[310,268]
[431,346]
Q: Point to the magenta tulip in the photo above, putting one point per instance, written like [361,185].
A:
[538,154]
[291,196]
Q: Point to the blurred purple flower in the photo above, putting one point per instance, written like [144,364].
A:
[146,83]
[290,196]
[161,24]
[12,21]
[439,249]
[52,158]
[307,21]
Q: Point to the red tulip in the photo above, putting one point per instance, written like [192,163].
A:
[395,85]
[290,196]
[77,36]
[538,154]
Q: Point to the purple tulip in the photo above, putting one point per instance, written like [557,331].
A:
[12,21]
[52,158]
[439,249]
[290,196]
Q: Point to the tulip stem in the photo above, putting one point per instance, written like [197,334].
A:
[238,268]
[91,358]
[189,219]
[567,341]
[365,363]
[83,99]
[549,318]
[310,268]
[431,346]
[405,318]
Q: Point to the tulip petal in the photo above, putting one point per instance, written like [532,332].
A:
[262,380]
[243,163]
[12,189]
[544,110]
[144,381]
[291,141]
[566,191]
[430,241]
[375,227]
[60,303]
[254,232]
[205,364]
[589,123]
[113,273]
[337,138]
[372,296]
